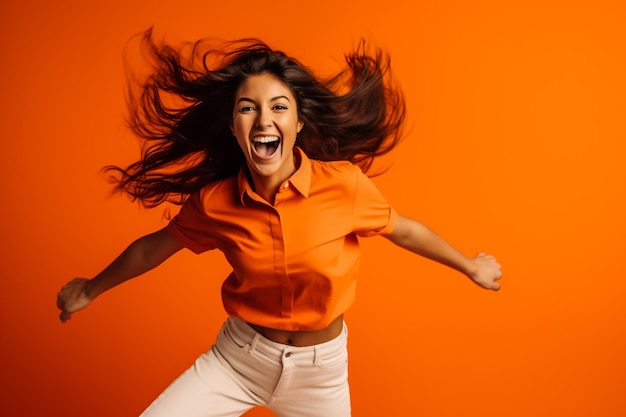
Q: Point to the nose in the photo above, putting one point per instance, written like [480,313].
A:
[263,118]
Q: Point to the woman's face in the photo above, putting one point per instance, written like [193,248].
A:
[266,122]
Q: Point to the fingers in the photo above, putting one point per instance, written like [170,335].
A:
[65,316]
[486,257]
[495,285]
[492,284]
[490,271]
[72,298]
[67,298]
[62,297]
[60,302]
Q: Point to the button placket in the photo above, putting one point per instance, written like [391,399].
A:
[280,262]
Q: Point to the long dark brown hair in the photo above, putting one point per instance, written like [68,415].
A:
[182,112]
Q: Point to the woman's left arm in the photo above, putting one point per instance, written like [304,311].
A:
[412,235]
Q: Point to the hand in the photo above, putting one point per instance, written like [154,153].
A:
[487,272]
[72,297]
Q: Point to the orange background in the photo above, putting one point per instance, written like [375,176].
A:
[516,147]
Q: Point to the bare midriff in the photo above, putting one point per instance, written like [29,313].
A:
[304,337]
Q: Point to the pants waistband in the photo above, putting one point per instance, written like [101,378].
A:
[247,337]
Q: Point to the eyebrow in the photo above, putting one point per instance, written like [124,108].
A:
[272,99]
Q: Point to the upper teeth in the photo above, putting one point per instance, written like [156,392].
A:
[264,139]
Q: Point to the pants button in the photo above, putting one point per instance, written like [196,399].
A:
[288,354]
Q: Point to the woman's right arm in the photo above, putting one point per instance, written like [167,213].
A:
[139,257]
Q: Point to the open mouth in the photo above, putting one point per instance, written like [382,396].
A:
[265,146]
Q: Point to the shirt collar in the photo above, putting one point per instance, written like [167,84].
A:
[299,180]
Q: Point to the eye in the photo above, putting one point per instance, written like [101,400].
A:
[246,109]
[280,107]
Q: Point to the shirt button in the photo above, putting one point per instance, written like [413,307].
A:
[286,185]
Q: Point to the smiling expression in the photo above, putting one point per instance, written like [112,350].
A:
[266,123]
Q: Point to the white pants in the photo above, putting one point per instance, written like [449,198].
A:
[244,370]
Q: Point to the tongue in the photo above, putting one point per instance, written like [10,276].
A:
[266,150]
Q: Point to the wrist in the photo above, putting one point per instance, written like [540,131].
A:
[90,290]
[470,268]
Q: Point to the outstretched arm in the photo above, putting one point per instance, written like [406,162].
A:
[418,238]
[139,257]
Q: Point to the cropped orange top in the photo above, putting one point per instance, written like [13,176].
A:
[294,263]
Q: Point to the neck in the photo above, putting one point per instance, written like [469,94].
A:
[266,189]
[267,186]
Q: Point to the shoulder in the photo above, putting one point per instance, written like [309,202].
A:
[340,170]
[223,186]
[215,193]
[336,180]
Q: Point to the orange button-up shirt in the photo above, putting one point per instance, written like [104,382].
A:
[295,262]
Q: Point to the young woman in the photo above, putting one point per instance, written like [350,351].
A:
[267,162]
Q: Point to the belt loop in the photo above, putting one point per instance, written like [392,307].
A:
[317,359]
[254,342]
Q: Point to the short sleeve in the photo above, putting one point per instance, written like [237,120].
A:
[191,226]
[373,215]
